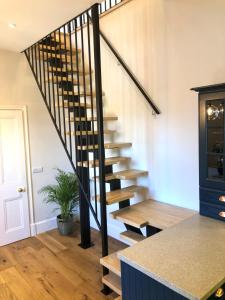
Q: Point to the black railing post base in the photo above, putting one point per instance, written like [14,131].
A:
[86,246]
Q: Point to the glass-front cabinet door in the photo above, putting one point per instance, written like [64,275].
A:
[215,139]
[212,150]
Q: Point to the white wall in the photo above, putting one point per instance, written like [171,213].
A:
[171,46]
[18,87]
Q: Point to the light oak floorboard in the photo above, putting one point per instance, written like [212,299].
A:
[53,267]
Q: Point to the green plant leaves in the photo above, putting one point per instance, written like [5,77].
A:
[65,193]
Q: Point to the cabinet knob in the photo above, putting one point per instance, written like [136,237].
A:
[222,198]
[222,214]
[219,293]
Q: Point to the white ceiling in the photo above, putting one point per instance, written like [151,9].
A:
[35,19]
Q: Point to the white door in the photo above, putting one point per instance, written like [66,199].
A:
[14,209]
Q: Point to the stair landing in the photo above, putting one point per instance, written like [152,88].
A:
[153,213]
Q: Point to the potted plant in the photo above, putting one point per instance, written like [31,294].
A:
[66,195]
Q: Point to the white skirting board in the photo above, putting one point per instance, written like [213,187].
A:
[114,228]
[43,226]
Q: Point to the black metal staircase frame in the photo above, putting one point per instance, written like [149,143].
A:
[66,65]
[55,54]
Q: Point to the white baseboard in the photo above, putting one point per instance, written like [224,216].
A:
[43,226]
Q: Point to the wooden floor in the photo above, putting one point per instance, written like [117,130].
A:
[51,266]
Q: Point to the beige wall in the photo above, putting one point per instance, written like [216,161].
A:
[18,87]
[171,46]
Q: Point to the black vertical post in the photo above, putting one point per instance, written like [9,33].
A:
[83,171]
[101,149]
[85,230]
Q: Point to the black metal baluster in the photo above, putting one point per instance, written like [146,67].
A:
[88,130]
[100,125]
[39,61]
[92,112]
[48,98]
[52,99]
[105,6]
[78,93]
[62,94]
[28,53]
[32,57]
[85,96]
[84,206]
[36,63]
[68,89]
[43,69]
[58,113]
[73,94]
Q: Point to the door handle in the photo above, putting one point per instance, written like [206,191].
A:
[21,190]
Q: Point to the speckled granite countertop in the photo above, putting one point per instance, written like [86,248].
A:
[188,258]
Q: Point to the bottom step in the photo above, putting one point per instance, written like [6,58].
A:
[131,237]
[113,282]
[112,263]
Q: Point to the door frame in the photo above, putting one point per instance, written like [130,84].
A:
[24,110]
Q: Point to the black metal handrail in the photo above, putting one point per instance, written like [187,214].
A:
[131,75]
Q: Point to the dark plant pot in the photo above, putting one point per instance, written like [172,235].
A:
[65,227]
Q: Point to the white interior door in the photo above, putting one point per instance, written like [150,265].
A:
[14,209]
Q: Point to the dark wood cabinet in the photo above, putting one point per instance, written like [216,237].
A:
[212,150]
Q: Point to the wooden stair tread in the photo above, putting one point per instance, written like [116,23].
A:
[59,37]
[117,196]
[108,161]
[130,174]
[68,69]
[153,213]
[57,79]
[131,237]
[62,56]
[45,57]
[112,281]
[71,93]
[125,175]
[83,119]
[73,104]
[121,194]
[107,146]
[88,132]
[134,188]
[43,47]
[112,263]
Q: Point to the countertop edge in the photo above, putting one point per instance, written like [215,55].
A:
[158,279]
[196,223]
